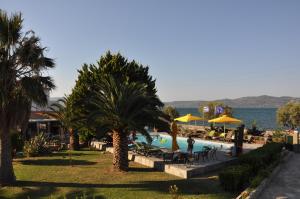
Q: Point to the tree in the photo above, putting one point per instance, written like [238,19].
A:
[22,63]
[171,112]
[63,111]
[289,115]
[211,110]
[118,96]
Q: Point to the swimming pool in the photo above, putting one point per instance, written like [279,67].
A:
[165,141]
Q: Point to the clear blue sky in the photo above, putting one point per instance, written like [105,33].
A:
[195,49]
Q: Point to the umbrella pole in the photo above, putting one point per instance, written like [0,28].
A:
[203,118]
[224,128]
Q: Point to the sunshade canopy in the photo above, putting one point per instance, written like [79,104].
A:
[224,119]
[188,118]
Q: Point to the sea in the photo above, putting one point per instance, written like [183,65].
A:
[264,118]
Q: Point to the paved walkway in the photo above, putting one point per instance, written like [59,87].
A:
[286,184]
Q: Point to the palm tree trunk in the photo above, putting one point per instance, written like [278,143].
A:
[7,175]
[74,145]
[24,124]
[120,157]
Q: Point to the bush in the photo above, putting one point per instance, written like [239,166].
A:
[36,146]
[262,174]
[255,165]
[256,181]
[261,157]
[235,178]
[85,136]
[278,134]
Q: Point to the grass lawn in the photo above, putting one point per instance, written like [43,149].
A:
[91,175]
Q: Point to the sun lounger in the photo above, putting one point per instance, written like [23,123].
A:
[249,138]
[145,149]
[228,137]
[221,137]
[211,135]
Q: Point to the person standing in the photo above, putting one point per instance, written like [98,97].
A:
[191,143]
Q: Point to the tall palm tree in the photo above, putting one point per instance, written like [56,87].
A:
[22,81]
[62,110]
[171,112]
[121,107]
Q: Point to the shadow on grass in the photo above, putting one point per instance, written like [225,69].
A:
[32,192]
[49,191]
[66,154]
[186,187]
[56,162]
[138,169]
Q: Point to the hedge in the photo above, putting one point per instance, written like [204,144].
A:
[262,157]
[252,168]
[235,178]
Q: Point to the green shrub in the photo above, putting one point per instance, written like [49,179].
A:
[36,146]
[262,157]
[256,181]
[262,174]
[235,178]
[255,165]
[85,136]
[278,134]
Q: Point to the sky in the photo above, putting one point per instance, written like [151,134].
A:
[196,50]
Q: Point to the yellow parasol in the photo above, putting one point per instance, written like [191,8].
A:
[188,118]
[174,135]
[225,119]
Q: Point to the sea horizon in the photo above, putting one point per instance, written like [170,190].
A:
[265,118]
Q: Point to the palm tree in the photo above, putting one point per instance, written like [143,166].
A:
[22,81]
[62,111]
[121,107]
[171,112]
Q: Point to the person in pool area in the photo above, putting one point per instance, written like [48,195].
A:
[191,143]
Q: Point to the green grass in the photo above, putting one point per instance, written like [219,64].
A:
[91,175]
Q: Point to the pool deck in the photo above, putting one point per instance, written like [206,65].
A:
[181,170]
[199,167]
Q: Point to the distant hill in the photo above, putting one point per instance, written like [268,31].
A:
[263,101]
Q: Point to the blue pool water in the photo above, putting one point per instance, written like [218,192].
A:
[165,141]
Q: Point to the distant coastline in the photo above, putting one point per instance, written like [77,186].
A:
[265,118]
[263,101]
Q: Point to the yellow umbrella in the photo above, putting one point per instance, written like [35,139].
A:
[225,119]
[188,118]
[174,135]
